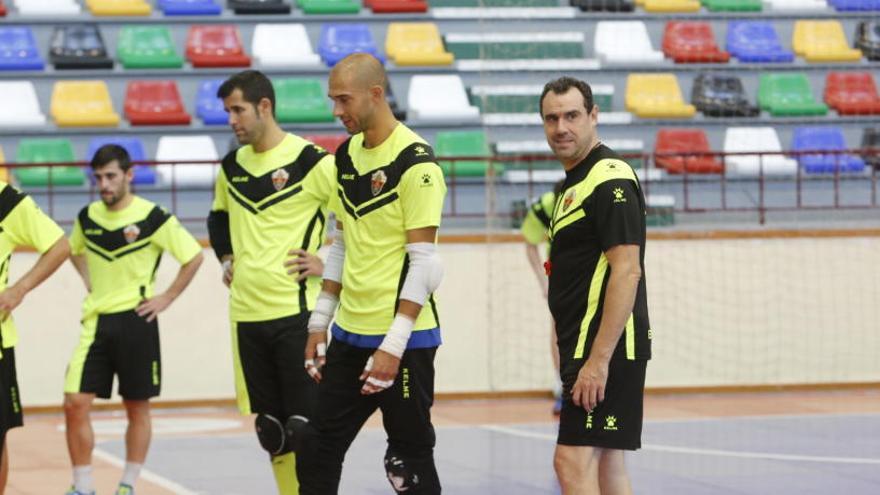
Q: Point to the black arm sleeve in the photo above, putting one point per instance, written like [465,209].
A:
[619,213]
[218,233]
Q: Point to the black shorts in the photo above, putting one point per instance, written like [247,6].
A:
[122,344]
[616,423]
[269,374]
[10,402]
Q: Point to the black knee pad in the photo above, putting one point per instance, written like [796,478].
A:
[300,434]
[271,434]
[401,476]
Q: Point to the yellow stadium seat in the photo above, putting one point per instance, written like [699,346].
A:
[656,96]
[4,174]
[671,5]
[416,43]
[118,7]
[822,41]
[83,103]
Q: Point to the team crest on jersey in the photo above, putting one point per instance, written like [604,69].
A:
[569,199]
[377,182]
[131,233]
[279,179]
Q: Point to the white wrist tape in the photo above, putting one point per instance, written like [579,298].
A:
[335,259]
[397,337]
[324,310]
[424,274]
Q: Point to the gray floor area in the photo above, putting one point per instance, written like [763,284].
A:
[777,455]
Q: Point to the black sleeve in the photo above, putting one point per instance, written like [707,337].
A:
[218,233]
[619,213]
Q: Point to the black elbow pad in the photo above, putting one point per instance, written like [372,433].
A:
[218,233]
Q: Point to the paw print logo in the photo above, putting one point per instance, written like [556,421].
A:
[618,195]
[426,179]
[611,423]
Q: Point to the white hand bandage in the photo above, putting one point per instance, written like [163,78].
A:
[424,273]
[324,310]
[396,339]
[311,366]
[335,259]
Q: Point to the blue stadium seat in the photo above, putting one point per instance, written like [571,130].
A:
[756,41]
[143,174]
[209,108]
[824,138]
[858,5]
[340,40]
[189,7]
[18,49]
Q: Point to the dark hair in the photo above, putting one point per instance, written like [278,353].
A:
[108,153]
[254,86]
[561,86]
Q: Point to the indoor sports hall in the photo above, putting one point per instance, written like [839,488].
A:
[754,130]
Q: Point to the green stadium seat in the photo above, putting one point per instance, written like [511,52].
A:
[463,143]
[43,150]
[301,100]
[147,47]
[494,3]
[516,46]
[733,5]
[788,94]
[330,6]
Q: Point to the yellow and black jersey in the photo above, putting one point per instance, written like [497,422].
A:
[536,224]
[383,192]
[123,249]
[22,223]
[601,206]
[276,201]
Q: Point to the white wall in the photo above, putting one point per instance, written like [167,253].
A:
[724,312]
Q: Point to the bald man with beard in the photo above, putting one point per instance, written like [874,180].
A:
[386,330]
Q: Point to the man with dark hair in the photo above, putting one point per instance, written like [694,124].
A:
[597,296]
[22,224]
[381,273]
[270,202]
[117,243]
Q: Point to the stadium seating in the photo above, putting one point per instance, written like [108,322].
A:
[78,46]
[209,108]
[340,40]
[518,104]
[47,150]
[824,139]
[47,8]
[720,95]
[756,41]
[692,42]
[797,5]
[604,5]
[788,94]
[732,5]
[257,7]
[513,46]
[439,98]
[416,43]
[118,7]
[822,41]
[215,46]
[671,5]
[624,42]
[494,3]
[868,39]
[396,6]
[189,7]
[147,47]
[4,172]
[182,151]
[463,144]
[852,93]
[18,49]
[330,6]
[283,45]
[329,142]
[682,142]
[83,104]
[871,147]
[760,140]
[301,100]
[154,103]
[2,14]
[20,105]
[855,5]
[537,168]
[143,174]
[656,96]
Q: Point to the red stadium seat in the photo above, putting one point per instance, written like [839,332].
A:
[692,43]
[852,93]
[328,142]
[216,46]
[154,103]
[685,141]
[2,9]
[396,6]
